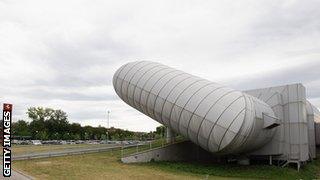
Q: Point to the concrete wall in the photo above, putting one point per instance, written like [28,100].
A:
[183,151]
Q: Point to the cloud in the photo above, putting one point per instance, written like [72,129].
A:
[63,54]
[307,74]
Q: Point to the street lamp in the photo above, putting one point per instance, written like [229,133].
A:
[108,116]
[36,134]
[68,136]
[107,135]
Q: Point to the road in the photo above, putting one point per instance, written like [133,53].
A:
[68,152]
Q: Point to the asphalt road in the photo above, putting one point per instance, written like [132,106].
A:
[67,152]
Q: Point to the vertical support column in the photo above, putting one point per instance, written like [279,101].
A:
[170,135]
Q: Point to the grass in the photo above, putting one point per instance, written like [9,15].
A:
[27,149]
[154,144]
[107,165]
[104,165]
[310,171]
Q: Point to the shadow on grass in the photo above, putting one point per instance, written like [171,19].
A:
[309,171]
[257,171]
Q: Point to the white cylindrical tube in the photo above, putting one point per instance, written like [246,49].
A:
[219,119]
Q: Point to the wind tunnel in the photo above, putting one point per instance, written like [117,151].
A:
[217,118]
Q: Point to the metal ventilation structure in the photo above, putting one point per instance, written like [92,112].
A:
[221,120]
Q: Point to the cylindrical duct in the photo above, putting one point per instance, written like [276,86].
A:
[219,119]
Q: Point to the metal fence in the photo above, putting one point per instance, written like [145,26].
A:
[148,145]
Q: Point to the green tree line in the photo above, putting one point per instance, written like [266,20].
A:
[51,124]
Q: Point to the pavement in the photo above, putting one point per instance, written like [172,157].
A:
[16,175]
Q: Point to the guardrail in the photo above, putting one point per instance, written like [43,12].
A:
[67,152]
[126,149]
[129,150]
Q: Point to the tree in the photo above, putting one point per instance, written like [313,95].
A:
[115,137]
[57,123]
[40,113]
[75,128]
[160,130]
[49,121]
[66,136]
[36,126]
[38,116]
[86,136]
[76,137]
[21,128]
[103,137]
[42,135]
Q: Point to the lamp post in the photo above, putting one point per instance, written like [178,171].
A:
[108,117]
[37,135]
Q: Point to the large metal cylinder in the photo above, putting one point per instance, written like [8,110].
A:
[219,119]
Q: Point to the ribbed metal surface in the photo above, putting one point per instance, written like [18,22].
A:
[311,115]
[219,119]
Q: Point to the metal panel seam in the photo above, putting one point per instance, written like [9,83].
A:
[287,86]
[155,85]
[179,97]
[157,95]
[229,127]
[246,99]
[188,102]
[254,122]
[193,113]
[219,119]
[299,123]
[127,96]
[209,111]
[177,105]
[135,86]
[120,73]
[270,97]
[145,83]
[247,117]
[126,73]
[170,94]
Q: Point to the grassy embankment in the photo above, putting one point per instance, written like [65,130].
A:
[106,165]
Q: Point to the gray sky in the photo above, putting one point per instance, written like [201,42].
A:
[62,54]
